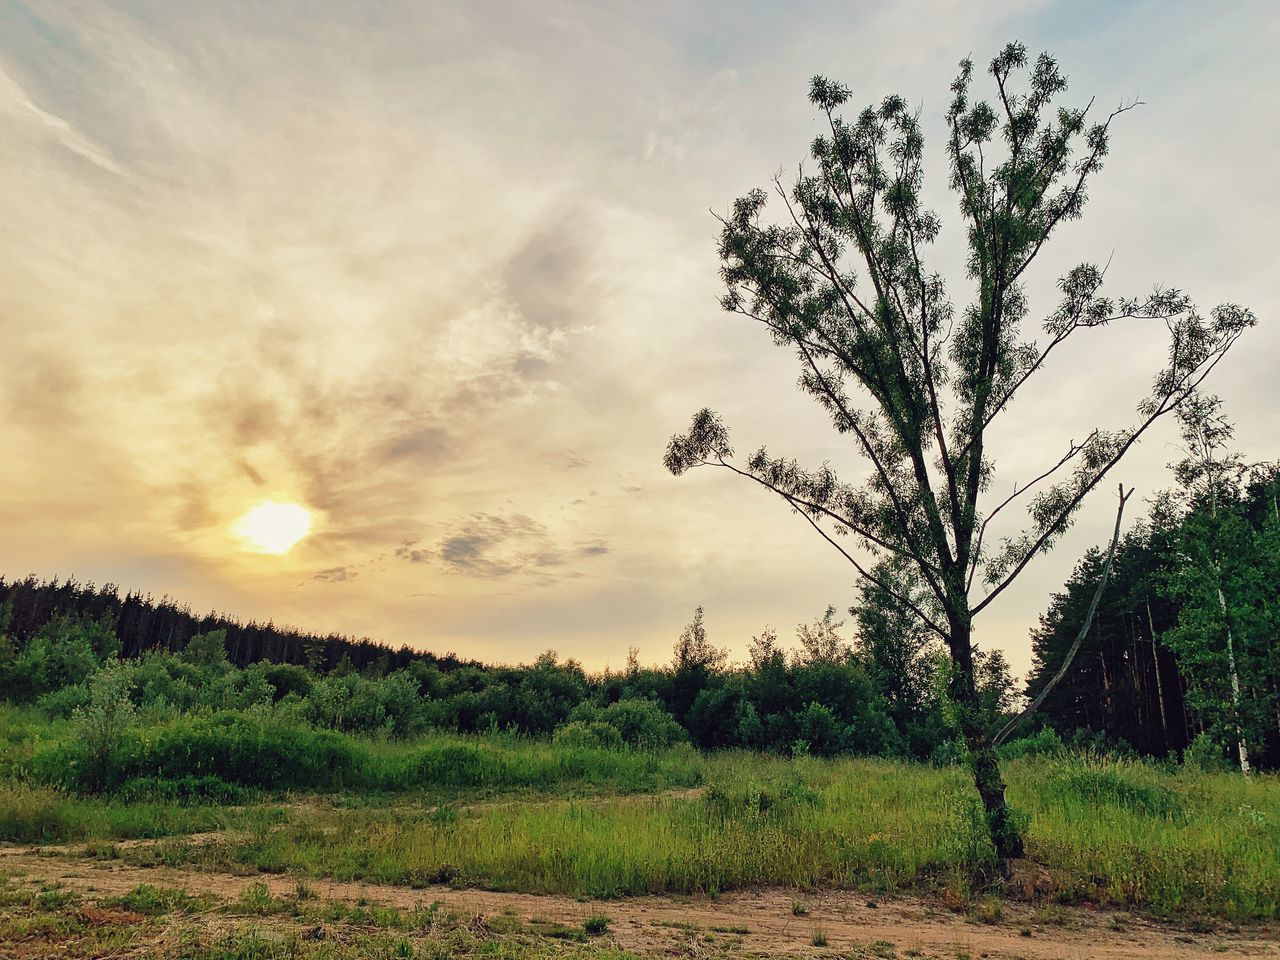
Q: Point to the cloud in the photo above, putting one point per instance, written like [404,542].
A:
[408,551]
[335,575]
[486,546]
[435,273]
[492,546]
[15,100]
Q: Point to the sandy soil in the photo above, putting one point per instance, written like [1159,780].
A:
[659,924]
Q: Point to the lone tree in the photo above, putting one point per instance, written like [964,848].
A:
[917,385]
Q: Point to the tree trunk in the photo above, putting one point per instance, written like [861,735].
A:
[1155,660]
[1242,750]
[987,778]
[983,761]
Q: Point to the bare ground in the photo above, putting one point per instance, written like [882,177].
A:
[657,925]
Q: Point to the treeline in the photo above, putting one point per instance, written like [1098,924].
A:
[1191,611]
[826,696]
[144,624]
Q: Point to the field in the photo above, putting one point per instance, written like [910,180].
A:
[499,846]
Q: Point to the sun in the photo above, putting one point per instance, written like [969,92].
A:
[272,526]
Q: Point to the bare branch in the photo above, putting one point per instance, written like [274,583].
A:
[1034,705]
[1017,492]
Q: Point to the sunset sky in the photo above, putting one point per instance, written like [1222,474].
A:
[444,276]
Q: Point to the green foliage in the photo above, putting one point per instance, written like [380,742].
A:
[65,652]
[1204,755]
[208,650]
[1043,743]
[104,722]
[593,733]
[640,723]
[353,703]
[236,748]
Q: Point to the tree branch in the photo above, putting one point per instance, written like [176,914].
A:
[1034,705]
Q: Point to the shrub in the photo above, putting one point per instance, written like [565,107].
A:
[643,724]
[819,728]
[59,656]
[1204,755]
[1044,743]
[594,733]
[65,701]
[236,748]
[102,724]
[355,703]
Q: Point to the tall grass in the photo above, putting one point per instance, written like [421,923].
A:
[742,831]
[1107,831]
[599,822]
[210,756]
[1128,832]
[40,814]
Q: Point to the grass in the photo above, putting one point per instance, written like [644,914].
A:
[1130,833]
[745,830]
[609,823]
[1210,844]
[596,924]
[157,921]
[239,756]
[41,814]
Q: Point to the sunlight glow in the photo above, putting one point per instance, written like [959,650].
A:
[272,527]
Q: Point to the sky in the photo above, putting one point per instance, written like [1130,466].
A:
[444,275]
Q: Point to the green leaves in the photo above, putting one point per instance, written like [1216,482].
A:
[706,440]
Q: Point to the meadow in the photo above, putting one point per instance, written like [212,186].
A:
[508,813]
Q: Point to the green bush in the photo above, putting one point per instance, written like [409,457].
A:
[354,703]
[236,748]
[103,723]
[640,723]
[1043,743]
[64,701]
[1204,755]
[594,733]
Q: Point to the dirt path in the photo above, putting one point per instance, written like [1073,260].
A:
[657,924]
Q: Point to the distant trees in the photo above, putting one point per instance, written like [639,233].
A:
[1156,671]
[139,623]
[815,694]
[916,384]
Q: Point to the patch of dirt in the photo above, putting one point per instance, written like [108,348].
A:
[848,920]
[82,850]
[1029,880]
[107,917]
